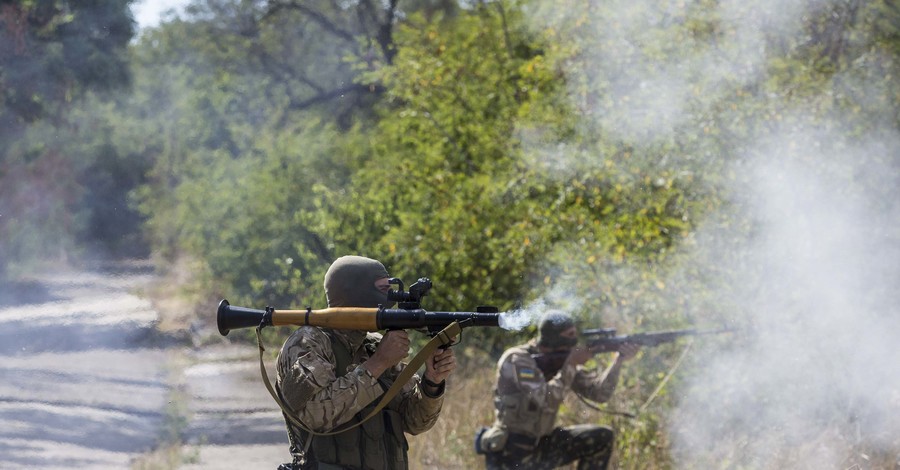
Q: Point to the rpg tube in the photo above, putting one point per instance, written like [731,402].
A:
[230,317]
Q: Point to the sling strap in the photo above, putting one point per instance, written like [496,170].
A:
[441,339]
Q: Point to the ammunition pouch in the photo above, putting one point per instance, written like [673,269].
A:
[490,439]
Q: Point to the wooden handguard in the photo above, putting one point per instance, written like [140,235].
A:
[340,318]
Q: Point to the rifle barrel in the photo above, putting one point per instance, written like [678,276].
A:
[653,338]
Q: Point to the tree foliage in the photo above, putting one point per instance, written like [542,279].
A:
[516,152]
[53,51]
[52,55]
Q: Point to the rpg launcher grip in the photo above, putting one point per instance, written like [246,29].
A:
[601,340]
[408,315]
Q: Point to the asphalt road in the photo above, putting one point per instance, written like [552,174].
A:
[87,381]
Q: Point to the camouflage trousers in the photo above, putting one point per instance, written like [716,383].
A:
[591,446]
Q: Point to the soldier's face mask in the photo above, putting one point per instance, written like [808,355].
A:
[561,342]
[557,331]
[567,343]
[351,281]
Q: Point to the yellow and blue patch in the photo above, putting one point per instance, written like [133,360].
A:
[527,373]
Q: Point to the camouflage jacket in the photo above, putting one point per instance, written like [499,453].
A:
[323,398]
[527,403]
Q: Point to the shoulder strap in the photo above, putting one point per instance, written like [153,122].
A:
[342,355]
[443,338]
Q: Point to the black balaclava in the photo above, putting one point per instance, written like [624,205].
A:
[350,282]
[552,324]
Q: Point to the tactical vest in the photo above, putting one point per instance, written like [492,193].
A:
[518,411]
[378,444]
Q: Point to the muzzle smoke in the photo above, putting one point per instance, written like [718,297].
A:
[556,298]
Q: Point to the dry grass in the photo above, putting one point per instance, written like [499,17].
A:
[468,405]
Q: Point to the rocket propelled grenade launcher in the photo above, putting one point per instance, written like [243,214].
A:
[408,315]
[444,327]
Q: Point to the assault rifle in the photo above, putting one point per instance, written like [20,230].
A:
[408,315]
[601,340]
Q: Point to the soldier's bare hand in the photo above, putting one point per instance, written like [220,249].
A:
[440,365]
[578,356]
[392,349]
[394,346]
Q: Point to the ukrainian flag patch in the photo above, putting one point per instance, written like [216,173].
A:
[527,373]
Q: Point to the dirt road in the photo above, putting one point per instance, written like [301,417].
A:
[87,381]
[233,421]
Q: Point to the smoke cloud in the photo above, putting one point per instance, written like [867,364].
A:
[817,370]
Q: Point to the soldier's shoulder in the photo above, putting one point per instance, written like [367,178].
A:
[307,337]
[515,353]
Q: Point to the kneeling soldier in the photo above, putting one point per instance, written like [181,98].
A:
[523,435]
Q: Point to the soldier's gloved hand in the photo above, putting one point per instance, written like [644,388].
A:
[392,349]
[440,365]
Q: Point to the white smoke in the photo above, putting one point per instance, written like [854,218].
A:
[558,298]
[818,371]
[653,81]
